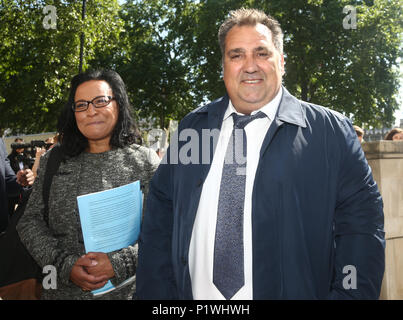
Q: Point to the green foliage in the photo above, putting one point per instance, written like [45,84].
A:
[36,65]
[154,66]
[167,52]
[349,70]
[352,71]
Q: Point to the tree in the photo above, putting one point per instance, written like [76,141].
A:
[151,62]
[348,70]
[352,71]
[167,53]
[155,68]
[37,64]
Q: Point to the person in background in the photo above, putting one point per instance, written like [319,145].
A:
[101,148]
[11,185]
[50,142]
[280,203]
[18,160]
[360,133]
[394,134]
[39,152]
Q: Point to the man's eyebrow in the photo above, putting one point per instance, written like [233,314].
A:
[236,50]
[262,49]
[240,50]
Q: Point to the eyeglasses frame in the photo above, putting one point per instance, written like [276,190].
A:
[92,102]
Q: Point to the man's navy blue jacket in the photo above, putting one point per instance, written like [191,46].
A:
[317,214]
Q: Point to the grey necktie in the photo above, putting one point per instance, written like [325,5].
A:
[228,268]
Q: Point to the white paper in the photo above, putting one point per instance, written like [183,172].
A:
[110,221]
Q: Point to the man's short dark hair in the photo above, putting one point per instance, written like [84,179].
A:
[250,17]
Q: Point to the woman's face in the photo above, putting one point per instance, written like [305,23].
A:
[96,124]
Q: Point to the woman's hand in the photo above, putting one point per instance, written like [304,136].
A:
[102,267]
[83,279]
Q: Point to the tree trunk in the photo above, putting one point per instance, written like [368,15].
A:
[304,91]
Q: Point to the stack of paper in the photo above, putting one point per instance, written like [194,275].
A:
[110,220]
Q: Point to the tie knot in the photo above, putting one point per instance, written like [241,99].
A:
[240,122]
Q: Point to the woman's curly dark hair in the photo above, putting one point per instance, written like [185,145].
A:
[126,132]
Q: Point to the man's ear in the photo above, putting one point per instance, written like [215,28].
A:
[281,64]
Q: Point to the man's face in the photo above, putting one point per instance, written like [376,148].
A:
[253,67]
[20,150]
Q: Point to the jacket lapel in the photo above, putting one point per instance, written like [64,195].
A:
[215,114]
[289,111]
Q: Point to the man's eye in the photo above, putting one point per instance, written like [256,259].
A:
[235,56]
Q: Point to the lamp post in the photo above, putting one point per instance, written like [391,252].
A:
[80,67]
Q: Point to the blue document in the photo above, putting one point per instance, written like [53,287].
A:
[110,220]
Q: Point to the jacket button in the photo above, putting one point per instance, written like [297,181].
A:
[199,183]
[184,262]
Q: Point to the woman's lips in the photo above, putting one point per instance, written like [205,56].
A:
[94,123]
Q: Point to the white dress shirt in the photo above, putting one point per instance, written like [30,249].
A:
[201,251]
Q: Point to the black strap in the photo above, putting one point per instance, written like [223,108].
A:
[55,157]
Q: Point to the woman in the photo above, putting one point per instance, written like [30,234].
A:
[394,134]
[97,139]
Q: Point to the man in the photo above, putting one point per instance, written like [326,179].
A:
[311,224]
[18,160]
[10,184]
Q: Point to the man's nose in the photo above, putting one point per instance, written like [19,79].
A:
[250,65]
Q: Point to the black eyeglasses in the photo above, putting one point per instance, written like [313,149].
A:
[97,102]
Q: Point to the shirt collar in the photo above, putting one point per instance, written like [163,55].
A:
[270,109]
